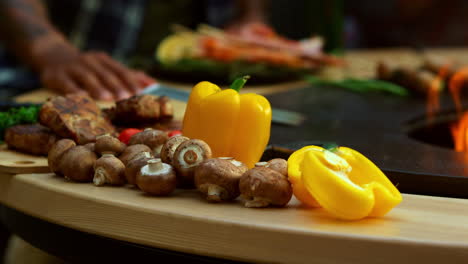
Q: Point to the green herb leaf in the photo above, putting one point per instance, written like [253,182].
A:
[16,116]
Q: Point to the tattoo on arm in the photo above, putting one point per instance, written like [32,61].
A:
[22,20]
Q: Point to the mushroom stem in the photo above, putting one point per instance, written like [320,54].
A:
[190,156]
[155,165]
[261,164]
[157,150]
[257,202]
[99,177]
[214,193]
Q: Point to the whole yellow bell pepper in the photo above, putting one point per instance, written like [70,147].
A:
[345,183]
[234,125]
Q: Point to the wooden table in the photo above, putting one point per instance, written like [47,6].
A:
[421,229]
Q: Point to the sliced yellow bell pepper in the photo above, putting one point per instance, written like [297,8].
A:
[345,183]
[295,176]
[234,125]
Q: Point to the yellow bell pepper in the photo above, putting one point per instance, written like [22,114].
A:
[295,176]
[234,125]
[345,183]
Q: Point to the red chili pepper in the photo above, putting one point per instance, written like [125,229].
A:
[126,134]
[174,133]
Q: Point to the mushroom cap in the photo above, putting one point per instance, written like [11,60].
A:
[131,151]
[56,153]
[77,164]
[91,146]
[221,172]
[135,164]
[109,144]
[160,183]
[169,148]
[152,138]
[279,165]
[188,155]
[267,184]
[112,168]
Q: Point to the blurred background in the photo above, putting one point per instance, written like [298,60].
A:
[130,31]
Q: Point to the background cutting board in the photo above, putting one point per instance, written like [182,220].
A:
[15,162]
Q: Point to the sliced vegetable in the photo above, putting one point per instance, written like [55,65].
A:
[344,182]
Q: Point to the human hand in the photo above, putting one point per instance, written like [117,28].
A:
[94,73]
[248,13]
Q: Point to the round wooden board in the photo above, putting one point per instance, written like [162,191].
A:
[421,229]
[15,162]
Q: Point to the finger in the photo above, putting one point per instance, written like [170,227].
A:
[107,77]
[120,70]
[60,83]
[91,84]
[143,79]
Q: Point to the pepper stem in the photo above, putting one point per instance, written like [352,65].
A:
[239,83]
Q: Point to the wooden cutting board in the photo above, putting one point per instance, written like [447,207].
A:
[15,162]
[421,229]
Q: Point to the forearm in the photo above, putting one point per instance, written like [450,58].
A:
[27,32]
[252,9]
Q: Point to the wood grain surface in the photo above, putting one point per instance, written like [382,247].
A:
[420,229]
[12,161]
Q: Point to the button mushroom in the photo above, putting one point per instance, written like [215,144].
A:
[56,153]
[77,164]
[135,164]
[91,146]
[152,138]
[279,165]
[108,144]
[156,178]
[109,170]
[218,178]
[261,187]
[131,151]
[169,148]
[187,157]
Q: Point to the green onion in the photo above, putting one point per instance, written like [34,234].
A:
[361,86]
